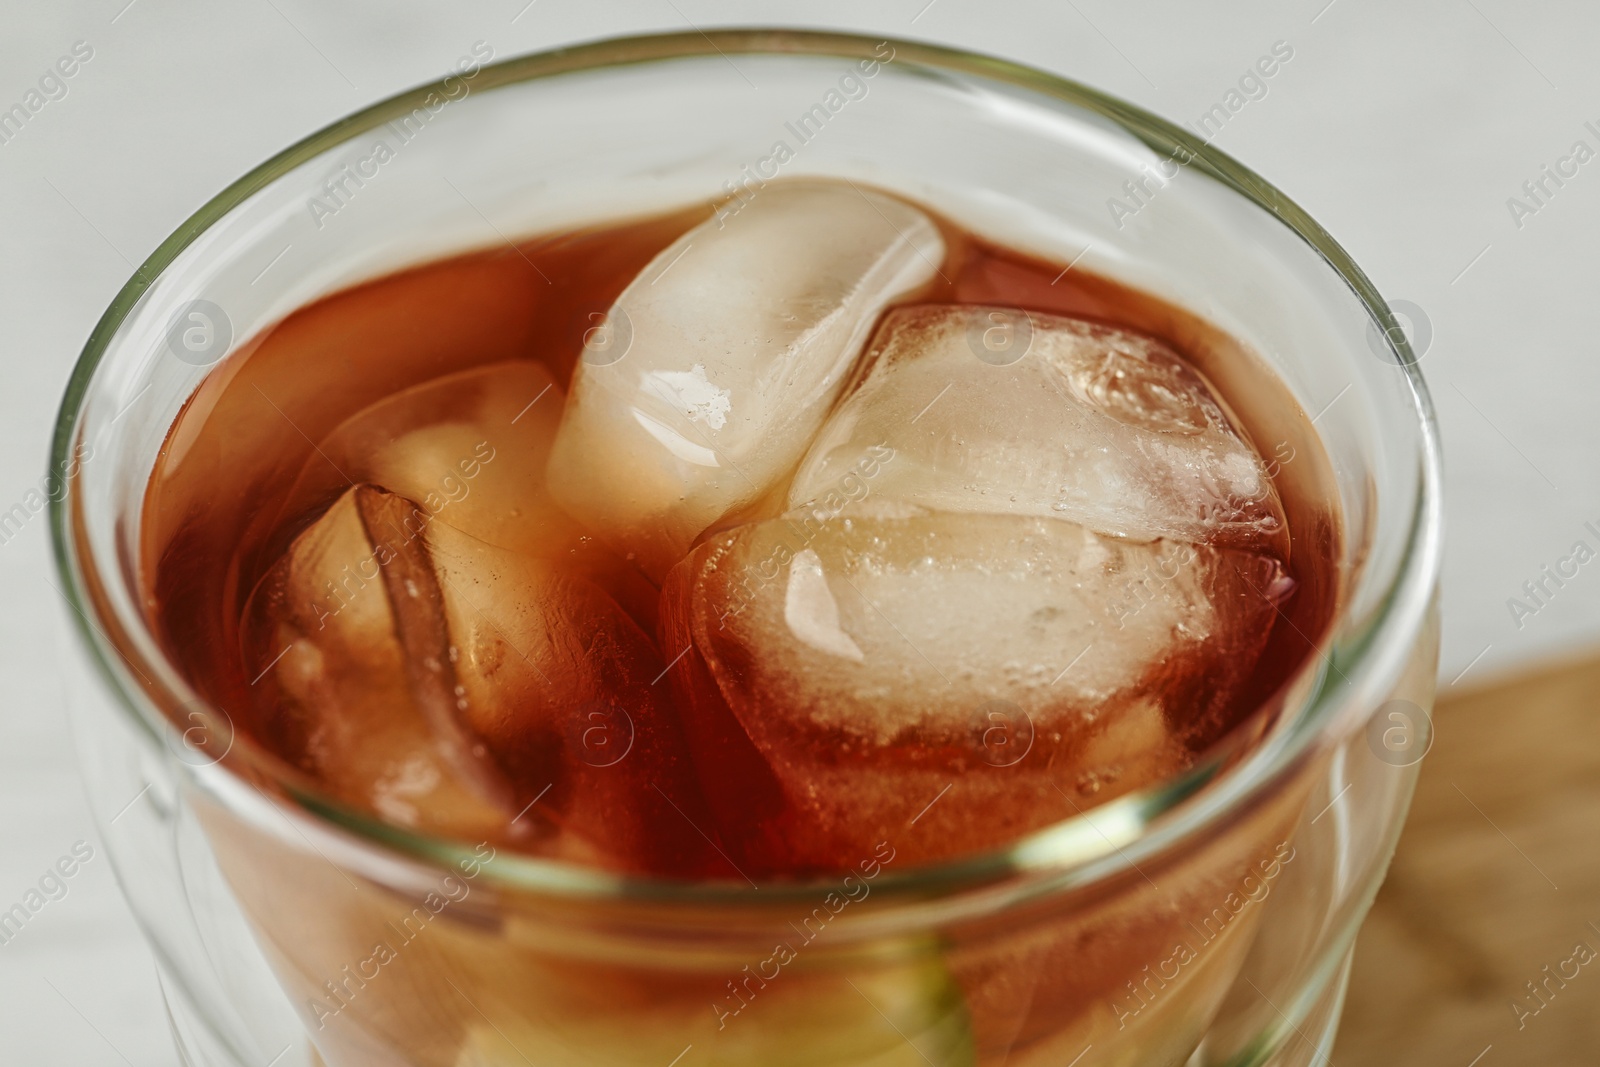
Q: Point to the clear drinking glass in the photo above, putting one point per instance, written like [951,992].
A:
[1208,920]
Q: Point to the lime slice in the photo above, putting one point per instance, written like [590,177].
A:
[904,1015]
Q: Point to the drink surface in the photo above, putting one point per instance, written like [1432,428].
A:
[819,541]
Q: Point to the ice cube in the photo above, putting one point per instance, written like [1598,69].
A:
[1002,411]
[561,684]
[470,449]
[449,684]
[329,657]
[947,681]
[719,361]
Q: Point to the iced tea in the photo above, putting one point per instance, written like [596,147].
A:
[818,534]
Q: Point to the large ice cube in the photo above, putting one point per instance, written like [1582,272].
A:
[999,671]
[449,684]
[1003,411]
[722,358]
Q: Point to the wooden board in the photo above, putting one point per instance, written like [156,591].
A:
[1497,877]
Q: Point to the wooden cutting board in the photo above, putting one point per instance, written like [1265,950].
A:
[1496,879]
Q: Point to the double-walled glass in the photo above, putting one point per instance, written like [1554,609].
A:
[1205,921]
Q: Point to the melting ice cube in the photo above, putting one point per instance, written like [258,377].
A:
[357,696]
[1010,412]
[723,357]
[560,683]
[454,685]
[470,450]
[999,669]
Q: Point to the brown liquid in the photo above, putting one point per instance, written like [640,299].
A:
[222,505]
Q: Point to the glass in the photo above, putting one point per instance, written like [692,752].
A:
[1205,921]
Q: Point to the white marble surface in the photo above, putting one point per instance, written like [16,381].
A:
[1403,126]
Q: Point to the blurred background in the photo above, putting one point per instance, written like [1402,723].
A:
[1438,140]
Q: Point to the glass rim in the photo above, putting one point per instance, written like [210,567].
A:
[1095,844]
